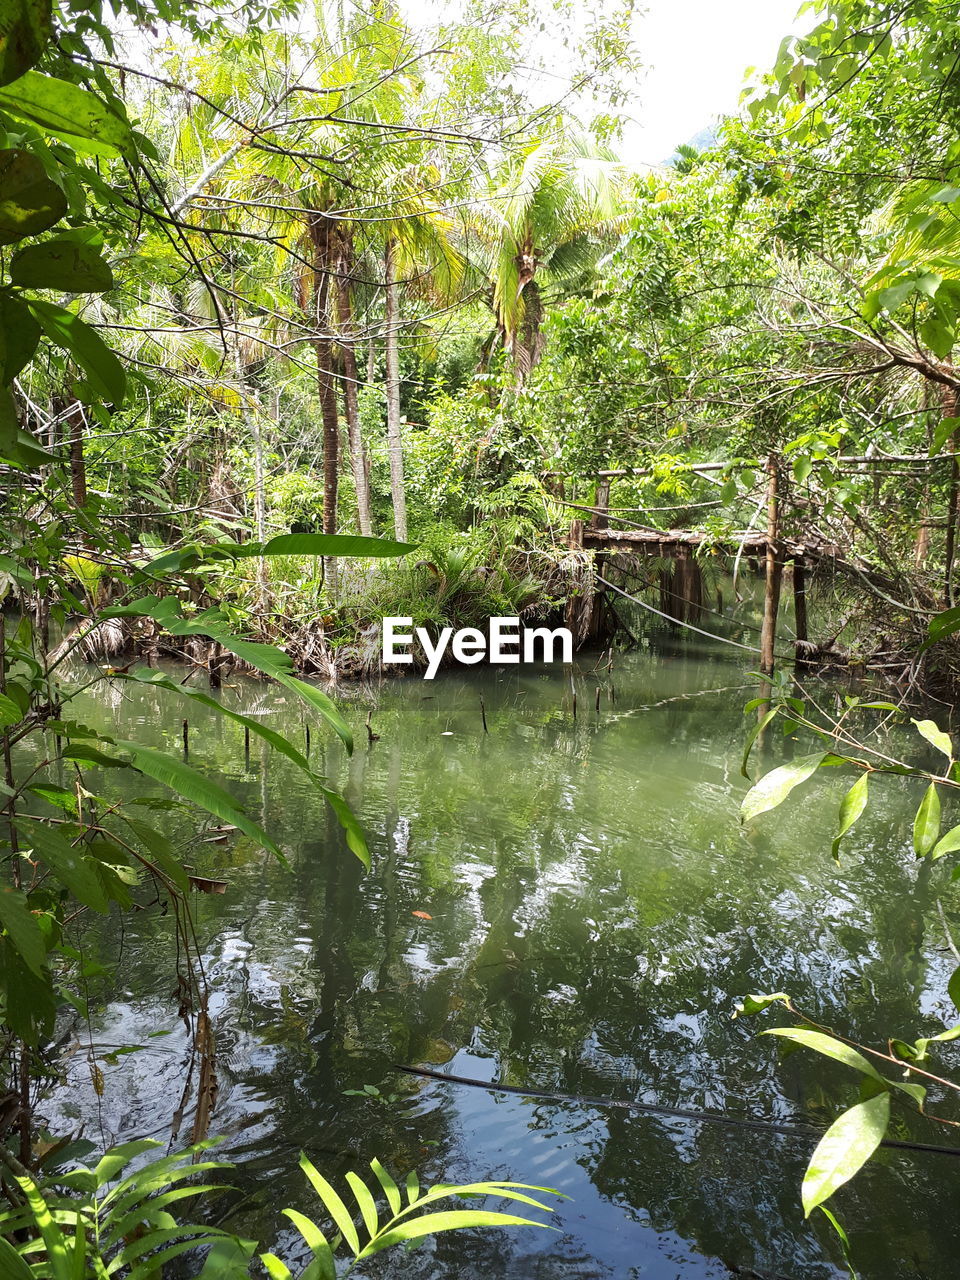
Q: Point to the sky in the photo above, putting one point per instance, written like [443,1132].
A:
[696,53]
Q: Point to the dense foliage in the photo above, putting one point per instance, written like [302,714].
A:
[278,280]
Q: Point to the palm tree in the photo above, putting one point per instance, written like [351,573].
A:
[543,223]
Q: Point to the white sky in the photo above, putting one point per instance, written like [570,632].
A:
[696,53]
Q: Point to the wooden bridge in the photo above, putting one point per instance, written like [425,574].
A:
[681,590]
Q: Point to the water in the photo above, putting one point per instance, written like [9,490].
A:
[595,912]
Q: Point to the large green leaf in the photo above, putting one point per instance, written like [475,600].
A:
[332,1202]
[147,675]
[29,201]
[948,843]
[851,807]
[19,335]
[22,928]
[430,1224]
[25,29]
[935,736]
[64,108]
[844,1149]
[774,787]
[329,544]
[69,865]
[319,701]
[12,1266]
[285,544]
[10,713]
[926,824]
[356,840]
[59,1262]
[103,370]
[325,1267]
[192,786]
[828,1046]
[943,625]
[61,264]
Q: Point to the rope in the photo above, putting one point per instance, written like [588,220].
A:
[679,622]
[650,1108]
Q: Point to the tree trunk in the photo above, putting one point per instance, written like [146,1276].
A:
[771,597]
[78,464]
[350,381]
[394,442]
[949,401]
[322,235]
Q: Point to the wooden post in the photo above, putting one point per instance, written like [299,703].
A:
[800,612]
[600,520]
[771,594]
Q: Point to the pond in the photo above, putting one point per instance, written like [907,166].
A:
[567,903]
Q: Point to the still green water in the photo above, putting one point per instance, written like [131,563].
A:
[595,912]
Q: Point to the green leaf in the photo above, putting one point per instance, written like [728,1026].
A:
[851,807]
[275,1269]
[12,1265]
[953,988]
[285,544]
[935,736]
[317,1241]
[948,843]
[22,928]
[19,335]
[29,201]
[356,840]
[774,787]
[943,625]
[390,1188]
[68,864]
[10,713]
[332,1203]
[945,428]
[147,675]
[842,1237]
[58,1256]
[756,1004]
[313,697]
[61,264]
[327,544]
[365,1202]
[844,1149]
[25,29]
[103,370]
[926,824]
[430,1224]
[192,786]
[65,109]
[755,732]
[829,1047]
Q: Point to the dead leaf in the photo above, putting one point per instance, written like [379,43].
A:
[204,885]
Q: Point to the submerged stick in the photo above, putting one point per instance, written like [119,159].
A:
[483,716]
[651,1108]
[186,740]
